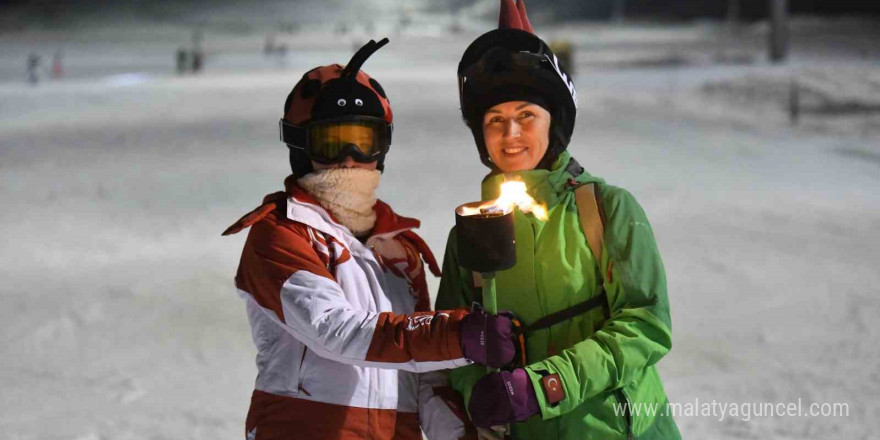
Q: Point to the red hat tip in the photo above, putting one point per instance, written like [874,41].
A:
[514,16]
[523,17]
[509,16]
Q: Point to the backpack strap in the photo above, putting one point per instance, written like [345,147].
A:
[565,314]
[591,216]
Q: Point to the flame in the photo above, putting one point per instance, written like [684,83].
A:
[513,194]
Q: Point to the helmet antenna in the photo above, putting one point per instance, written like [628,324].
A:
[354,65]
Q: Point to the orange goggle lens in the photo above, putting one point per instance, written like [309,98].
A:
[329,141]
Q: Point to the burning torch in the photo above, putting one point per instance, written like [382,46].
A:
[487,242]
[486,238]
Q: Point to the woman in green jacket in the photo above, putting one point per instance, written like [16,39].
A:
[593,304]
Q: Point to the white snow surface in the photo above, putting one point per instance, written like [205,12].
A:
[119,317]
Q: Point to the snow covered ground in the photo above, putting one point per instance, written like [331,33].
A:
[119,319]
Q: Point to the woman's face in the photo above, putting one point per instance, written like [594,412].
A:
[517,134]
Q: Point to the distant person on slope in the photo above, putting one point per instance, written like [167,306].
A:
[335,285]
[588,286]
[33,69]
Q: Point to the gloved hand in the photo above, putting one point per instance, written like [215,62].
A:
[503,397]
[485,339]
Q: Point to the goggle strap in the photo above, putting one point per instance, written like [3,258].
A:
[291,134]
[389,130]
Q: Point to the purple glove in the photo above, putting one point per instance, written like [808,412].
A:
[504,397]
[485,339]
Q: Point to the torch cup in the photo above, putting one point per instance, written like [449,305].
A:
[486,244]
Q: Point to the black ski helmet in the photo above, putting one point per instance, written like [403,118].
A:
[330,92]
[512,64]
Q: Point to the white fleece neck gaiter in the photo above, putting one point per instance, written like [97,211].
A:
[348,193]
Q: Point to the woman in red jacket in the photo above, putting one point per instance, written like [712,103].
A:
[335,285]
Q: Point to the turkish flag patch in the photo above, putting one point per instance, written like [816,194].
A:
[553,390]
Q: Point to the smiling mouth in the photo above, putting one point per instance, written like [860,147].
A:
[513,150]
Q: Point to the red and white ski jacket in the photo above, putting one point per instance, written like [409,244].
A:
[343,330]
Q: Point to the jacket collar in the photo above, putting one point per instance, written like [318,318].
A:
[302,207]
[388,223]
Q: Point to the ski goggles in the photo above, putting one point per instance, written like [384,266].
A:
[500,60]
[500,65]
[363,138]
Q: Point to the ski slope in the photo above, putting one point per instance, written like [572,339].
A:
[119,318]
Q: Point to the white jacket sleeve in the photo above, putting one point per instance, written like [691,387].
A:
[283,272]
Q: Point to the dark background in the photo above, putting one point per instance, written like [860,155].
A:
[60,11]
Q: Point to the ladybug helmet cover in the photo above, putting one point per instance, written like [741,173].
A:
[335,112]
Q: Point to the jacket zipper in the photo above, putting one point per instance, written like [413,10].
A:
[302,365]
[627,412]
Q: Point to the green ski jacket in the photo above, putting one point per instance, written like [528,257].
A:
[605,357]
